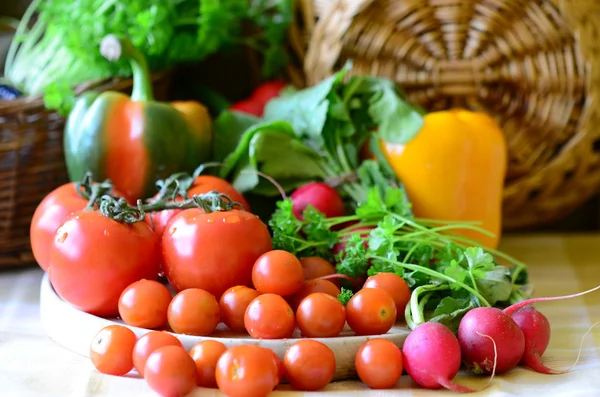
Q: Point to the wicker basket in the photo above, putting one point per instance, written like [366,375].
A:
[32,162]
[532,64]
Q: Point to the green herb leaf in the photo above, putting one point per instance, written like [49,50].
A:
[278,154]
[450,311]
[306,110]
[457,272]
[495,285]
[345,296]
[59,97]
[228,129]
[398,121]
[353,259]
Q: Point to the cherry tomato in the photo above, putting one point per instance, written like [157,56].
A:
[233,305]
[213,251]
[206,353]
[269,316]
[194,312]
[278,272]
[315,267]
[94,258]
[309,365]
[371,311]
[311,287]
[111,350]
[48,216]
[170,371]
[393,285]
[378,363]
[202,184]
[247,371]
[321,316]
[149,343]
[144,304]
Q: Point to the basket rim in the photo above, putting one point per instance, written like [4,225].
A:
[113,83]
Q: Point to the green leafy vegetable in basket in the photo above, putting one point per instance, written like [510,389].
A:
[60,49]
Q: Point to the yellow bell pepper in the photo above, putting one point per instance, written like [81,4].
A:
[454,169]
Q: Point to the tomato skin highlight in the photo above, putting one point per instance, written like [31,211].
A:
[247,371]
[50,213]
[206,354]
[144,304]
[321,315]
[269,316]
[149,343]
[393,285]
[194,312]
[371,311]
[233,305]
[309,365]
[111,350]
[94,258]
[378,363]
[170,371]
[195,258]
[277,272]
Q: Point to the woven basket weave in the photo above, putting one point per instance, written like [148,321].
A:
[532,64]
[32,162]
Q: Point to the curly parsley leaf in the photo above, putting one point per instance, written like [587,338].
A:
[345,296]
[353,259]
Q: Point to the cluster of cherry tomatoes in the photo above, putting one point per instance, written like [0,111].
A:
[288,294]
[245,370]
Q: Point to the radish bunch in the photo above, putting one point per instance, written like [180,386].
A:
[490,340]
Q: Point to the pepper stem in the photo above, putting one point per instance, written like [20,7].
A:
[114,48]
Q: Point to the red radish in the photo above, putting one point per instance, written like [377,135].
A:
[247,106]
[431,356]
[267,91]
[319,195]
[478,351]
[536,329]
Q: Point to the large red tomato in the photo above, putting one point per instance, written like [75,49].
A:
[214,251]
[202,184]
[94,258]
[49,215]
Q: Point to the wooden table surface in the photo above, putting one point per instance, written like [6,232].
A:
[32,365]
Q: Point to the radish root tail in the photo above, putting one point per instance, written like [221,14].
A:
[511,309]
[495,359]
[581,346]
[534,361]
[448,384]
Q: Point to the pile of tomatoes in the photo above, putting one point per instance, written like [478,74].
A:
[222,269]
[288,294]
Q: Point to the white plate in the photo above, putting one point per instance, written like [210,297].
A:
[74,330]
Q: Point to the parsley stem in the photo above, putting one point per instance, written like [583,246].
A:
[435,274]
